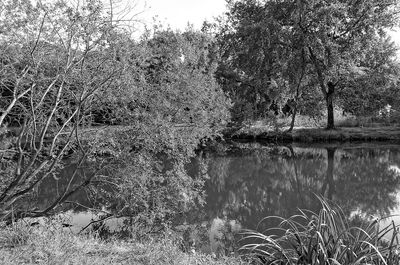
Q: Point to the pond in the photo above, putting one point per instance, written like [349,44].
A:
[249,181]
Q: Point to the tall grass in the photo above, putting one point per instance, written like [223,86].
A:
[325,237]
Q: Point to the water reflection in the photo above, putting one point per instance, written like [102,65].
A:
[254,182]
[251,181]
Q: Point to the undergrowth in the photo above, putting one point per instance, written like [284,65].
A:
[53,244]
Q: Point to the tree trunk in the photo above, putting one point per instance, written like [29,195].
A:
[299,188]
[328,189]
[329,104]
[293,119]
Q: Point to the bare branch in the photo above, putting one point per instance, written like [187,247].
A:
[13,102]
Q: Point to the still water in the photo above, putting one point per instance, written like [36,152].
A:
[249,181]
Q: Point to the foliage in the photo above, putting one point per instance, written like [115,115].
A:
[149,192]
[171,107]
[251,59]
[168,80]
[272,51]
[71,66]
[370,92]
[51,68]
[325,238]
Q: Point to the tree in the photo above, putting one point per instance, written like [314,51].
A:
[331,35]
[70,64]
[251,58]
[335,37]
[370,92]
[168,102]
[51,68]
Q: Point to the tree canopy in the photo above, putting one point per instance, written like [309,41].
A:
[269,46]
[67,67]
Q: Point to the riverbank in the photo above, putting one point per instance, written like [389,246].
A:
[55,245]
[315,135]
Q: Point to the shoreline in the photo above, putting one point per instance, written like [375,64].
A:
[316,135]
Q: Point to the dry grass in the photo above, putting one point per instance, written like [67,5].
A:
[21,244]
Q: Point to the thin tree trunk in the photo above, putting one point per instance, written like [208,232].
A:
[296,99]
[328,188]
[296,173]
[329,173]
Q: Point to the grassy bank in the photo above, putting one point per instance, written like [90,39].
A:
[306,129]
[324,237]
[343,134]
[23,244]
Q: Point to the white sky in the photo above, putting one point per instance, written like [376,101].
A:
[178,13]
[396,36]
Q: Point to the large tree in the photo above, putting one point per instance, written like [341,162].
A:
[251,58]
[259,37]
[335,35]
[65,64]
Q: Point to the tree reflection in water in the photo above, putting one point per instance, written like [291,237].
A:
[254,182]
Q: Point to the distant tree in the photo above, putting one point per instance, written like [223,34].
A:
[178,72]
[371,91]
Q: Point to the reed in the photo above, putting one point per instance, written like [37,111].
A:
[326,237]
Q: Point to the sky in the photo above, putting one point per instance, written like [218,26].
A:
[178,13]
[396,36]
